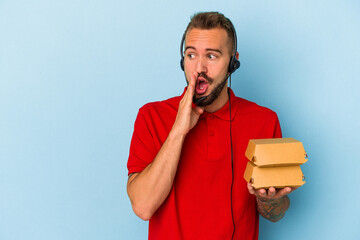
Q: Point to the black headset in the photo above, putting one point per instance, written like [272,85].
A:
[233,64]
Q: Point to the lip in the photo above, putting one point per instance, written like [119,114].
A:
[202,79]
[205,84]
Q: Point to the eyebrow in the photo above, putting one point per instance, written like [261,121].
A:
[208,49]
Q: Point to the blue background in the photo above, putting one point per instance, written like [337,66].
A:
[74,73]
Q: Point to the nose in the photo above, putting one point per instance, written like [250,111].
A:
[201,65]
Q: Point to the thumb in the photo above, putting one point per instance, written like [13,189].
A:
[199,110]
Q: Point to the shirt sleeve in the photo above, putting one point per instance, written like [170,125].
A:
[142,148]
[277,128]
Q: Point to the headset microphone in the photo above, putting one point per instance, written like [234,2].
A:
[200,100]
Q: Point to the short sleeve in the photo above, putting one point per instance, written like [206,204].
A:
[142,147]
[277,128]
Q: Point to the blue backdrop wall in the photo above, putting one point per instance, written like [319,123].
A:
[74,73]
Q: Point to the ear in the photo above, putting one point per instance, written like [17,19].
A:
[237,55]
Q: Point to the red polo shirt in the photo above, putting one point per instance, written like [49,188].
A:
[199,206]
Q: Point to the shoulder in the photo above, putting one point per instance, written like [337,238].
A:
[247,107]
[167,106]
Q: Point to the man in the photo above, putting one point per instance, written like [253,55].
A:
[187,160]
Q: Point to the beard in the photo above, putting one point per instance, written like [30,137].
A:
[213,95]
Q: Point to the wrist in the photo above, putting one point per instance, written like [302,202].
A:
[273,209]
[271,201]
[176,134]
[178,131]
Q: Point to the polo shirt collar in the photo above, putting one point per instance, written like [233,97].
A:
[222,113]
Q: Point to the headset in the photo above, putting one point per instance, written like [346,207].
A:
[233,65]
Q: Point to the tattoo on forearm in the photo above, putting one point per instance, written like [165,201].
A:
[273,210]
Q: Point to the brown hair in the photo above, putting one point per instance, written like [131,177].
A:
[210,20]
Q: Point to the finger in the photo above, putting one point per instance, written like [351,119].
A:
[287,190]
[191,88]
[271,192]
[261,193]
[250,188]
[282,192]
[187,98]
[193,79]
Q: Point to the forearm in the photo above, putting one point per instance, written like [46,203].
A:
[273,209]
[148,189]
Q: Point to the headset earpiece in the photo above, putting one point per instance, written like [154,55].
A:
[181,52]
[234,64]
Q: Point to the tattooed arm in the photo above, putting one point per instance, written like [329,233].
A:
[272,204]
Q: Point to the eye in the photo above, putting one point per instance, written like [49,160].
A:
[212,56]
[191,55]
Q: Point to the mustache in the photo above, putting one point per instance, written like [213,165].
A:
[203,75]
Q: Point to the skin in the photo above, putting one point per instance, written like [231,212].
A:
[272,203]
[148,189]
[207,52]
